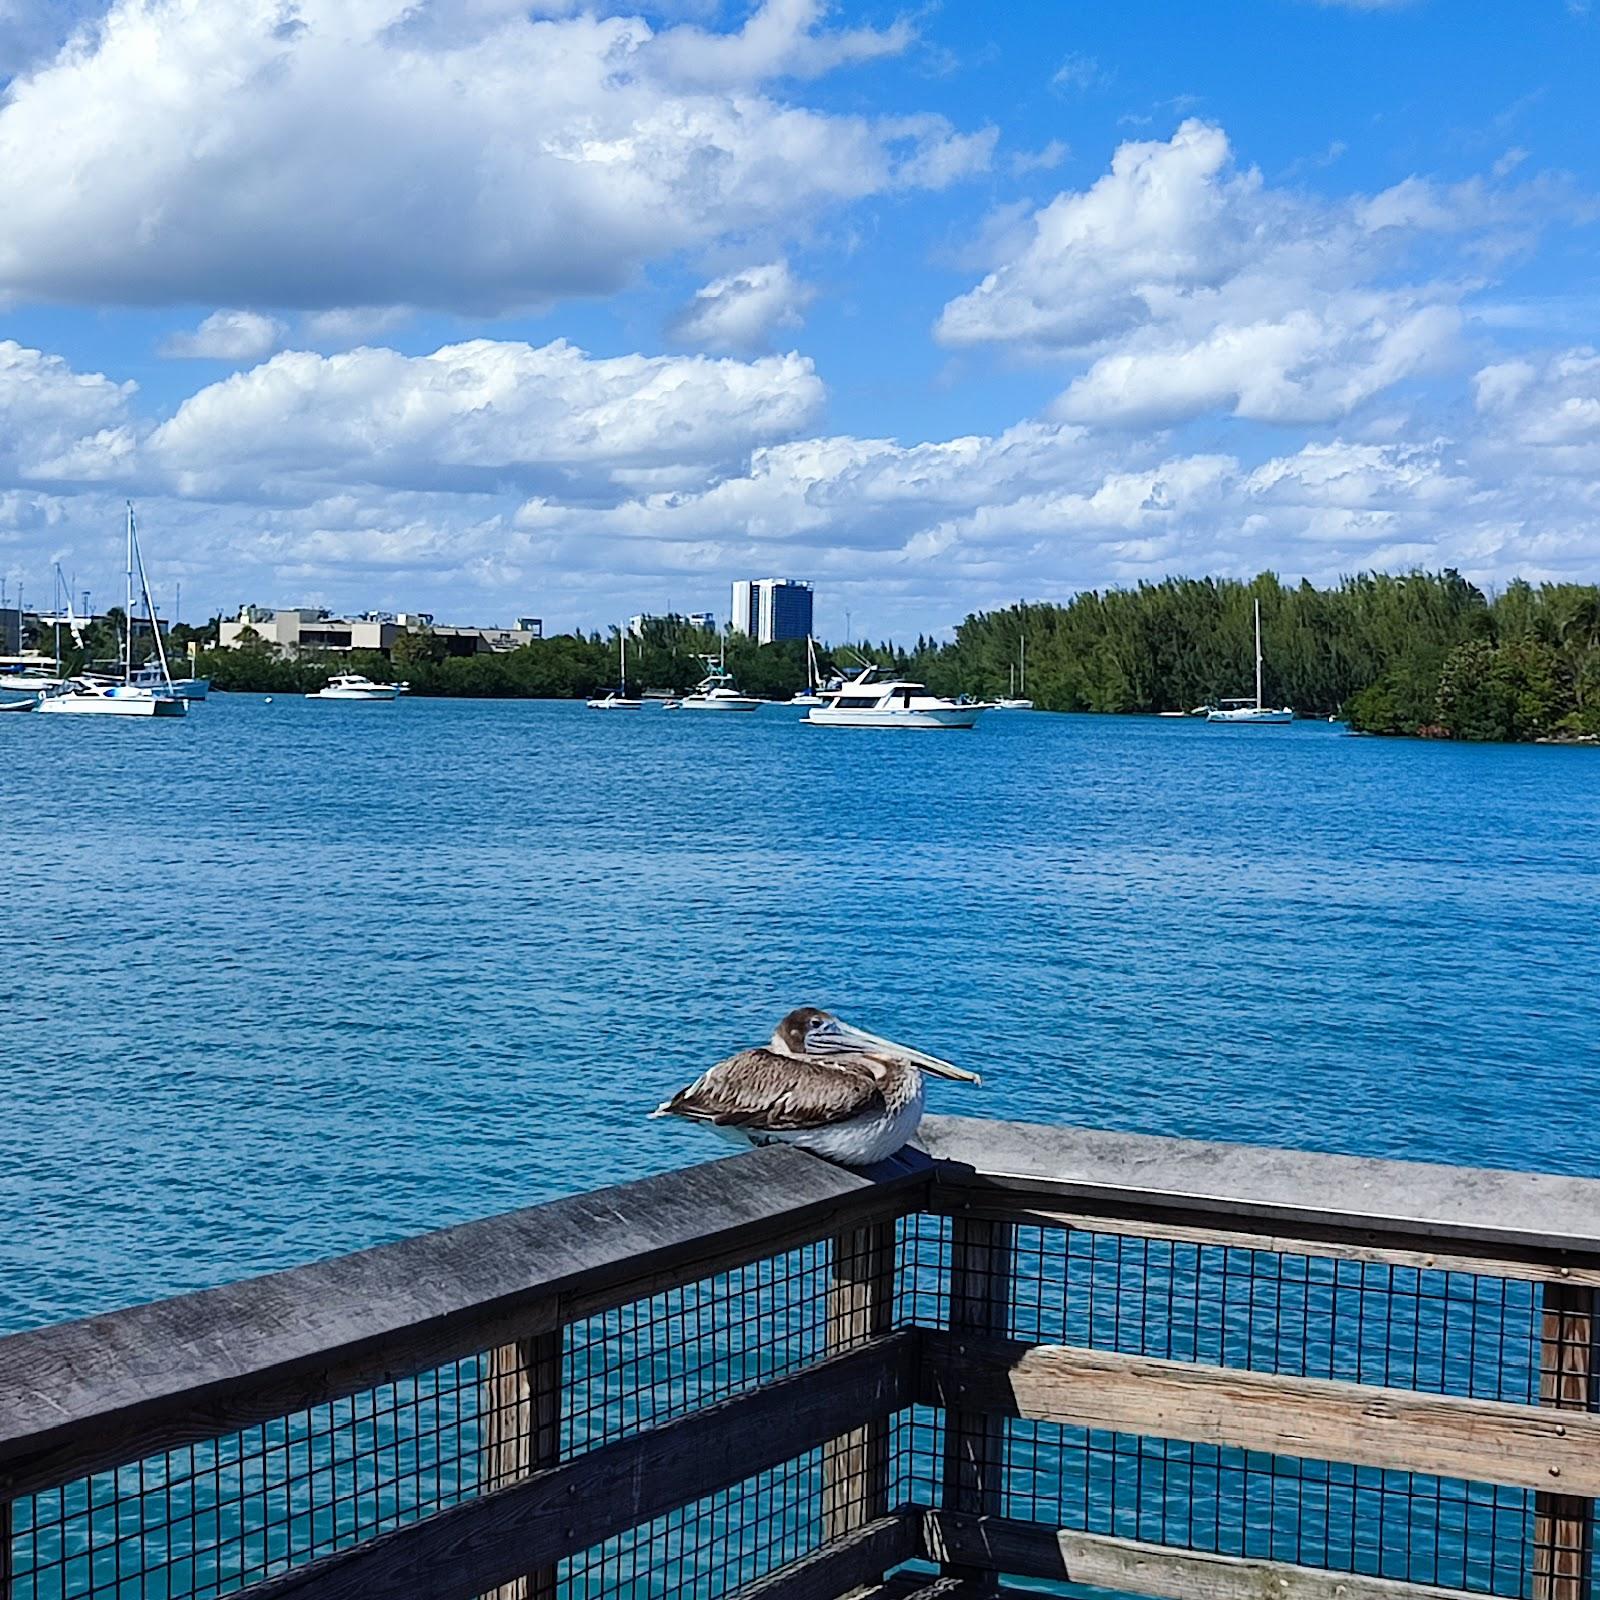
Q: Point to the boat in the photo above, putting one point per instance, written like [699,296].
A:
[812,694]
[617,699]
[24,678]
[184,688]
[83,696]
[870,701]
[31,704]
[355,686]
[1251,711]
[1012,701]
[717,691]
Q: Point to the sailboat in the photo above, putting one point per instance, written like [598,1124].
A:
[1251,710]
[1012,701]
[810,696]
[617,699]
[88,697]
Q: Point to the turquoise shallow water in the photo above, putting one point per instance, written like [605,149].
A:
[289,979]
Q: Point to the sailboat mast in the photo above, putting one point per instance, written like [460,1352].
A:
[1022,662]
[1258,655]
[622,665]
[127,607]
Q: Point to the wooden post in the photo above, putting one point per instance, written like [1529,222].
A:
[975,1444]
[855,1466]
[522,1432]
[1562,1546]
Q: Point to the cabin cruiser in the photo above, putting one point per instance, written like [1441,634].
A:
[869,700]
[717,692]
[353,686]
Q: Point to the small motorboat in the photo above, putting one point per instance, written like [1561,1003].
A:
[354,686]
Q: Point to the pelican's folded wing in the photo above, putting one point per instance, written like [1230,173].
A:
[766,1092]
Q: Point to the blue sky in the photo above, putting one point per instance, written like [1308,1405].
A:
[487,309]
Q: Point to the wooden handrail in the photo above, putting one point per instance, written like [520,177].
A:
[1543,1222]
[80,1396]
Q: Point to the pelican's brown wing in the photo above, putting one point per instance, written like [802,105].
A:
[765,1092]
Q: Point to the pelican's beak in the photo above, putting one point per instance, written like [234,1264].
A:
[869,1044]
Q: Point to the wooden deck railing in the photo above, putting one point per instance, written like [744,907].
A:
[1149,1365]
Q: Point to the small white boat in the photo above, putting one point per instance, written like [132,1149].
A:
[353,686]
[1014,701]
[866,701]
[717,691]
[30,704]
[617,699]
[1251,711]
[24,678]
[812,694]
[79,697]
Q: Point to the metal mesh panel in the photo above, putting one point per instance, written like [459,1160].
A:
[1442,1332]
[203,1521]
[208,1518]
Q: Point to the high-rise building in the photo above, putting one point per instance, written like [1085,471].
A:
[771,608]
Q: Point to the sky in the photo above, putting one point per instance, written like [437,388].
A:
[490,310]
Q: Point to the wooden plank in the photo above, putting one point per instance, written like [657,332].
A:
[1420,1205]
[1335,1244]
[522,1433]
[472,1548]
[980,1307]
[1402,1429]
[855,1466]
[1563,1542]
[1061,1555]
[849,1562]
[105,1390]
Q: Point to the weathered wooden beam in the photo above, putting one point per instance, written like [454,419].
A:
[1483,1441]
[855,1466]
[85,1395]
[1062,1555]
[1536,1217]
[1563,1540]
[844,1564]
[472,1548]
[522,1432]
[1335,1244]
[980,1307]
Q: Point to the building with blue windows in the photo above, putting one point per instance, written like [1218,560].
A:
[771,608]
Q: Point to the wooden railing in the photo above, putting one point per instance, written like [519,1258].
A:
[1156,1366]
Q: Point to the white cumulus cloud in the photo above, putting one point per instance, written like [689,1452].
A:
[338,153]
[737,313]
[228,336]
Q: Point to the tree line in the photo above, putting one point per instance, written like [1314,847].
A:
[1420,652]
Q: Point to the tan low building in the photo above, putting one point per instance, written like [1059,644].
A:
[296,628]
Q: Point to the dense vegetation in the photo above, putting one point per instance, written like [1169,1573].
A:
[1420,653]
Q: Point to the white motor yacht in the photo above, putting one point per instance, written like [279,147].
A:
[354,686]
[1251,711]
[717,692]
[870,701]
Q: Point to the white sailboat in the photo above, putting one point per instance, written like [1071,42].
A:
[810,696]
[1252,711]
[1013,701]
[617,699]
[110,698]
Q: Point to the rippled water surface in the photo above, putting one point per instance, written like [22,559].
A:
[286,979]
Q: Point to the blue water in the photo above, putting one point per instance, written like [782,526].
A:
[289,979]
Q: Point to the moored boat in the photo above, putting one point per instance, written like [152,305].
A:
[617,699]
[717,691]
[355,686]
[868,701]
[1251,711]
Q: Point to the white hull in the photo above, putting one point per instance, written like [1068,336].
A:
[30,704]
[113,703]
[612,702]
[706,702]
[804,700]
[1252,714]
[356,691]
[1009,704]
[939,717]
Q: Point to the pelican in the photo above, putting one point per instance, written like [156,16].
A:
[818,1083]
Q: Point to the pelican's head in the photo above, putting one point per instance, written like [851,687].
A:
[810,1032]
